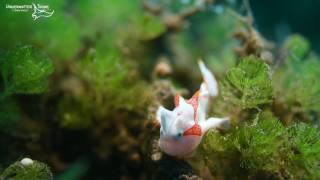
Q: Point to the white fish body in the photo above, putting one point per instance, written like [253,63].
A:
[182,128]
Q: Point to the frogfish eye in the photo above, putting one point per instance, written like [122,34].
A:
[178,135]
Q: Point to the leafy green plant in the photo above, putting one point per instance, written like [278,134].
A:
[25,70]
[109,87]
[296,82]
[35,171]
[265,148]
[306,148]
[248,84]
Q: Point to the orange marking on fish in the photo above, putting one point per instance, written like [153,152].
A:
[194,102]
[177,100]
[194,130]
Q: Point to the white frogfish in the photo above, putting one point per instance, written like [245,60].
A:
[183,128]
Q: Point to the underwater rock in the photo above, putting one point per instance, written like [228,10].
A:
[26,161]
[171,168]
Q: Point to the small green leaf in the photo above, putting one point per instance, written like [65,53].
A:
[25,70]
